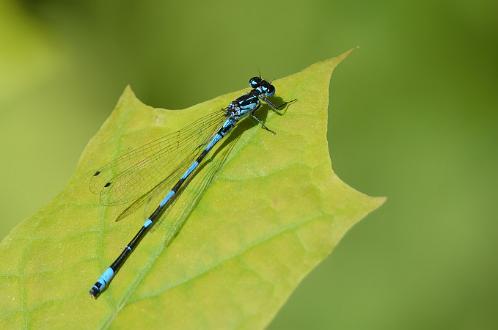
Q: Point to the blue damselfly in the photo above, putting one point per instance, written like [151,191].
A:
[139,174]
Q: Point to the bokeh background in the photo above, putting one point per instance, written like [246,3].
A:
[413,117]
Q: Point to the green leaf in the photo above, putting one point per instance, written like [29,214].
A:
[273,212]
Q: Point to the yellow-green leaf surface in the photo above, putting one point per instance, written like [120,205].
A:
[271,214]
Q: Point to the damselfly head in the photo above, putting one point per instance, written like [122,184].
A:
[262,87]
[255,81]
[266,88]
[270,90]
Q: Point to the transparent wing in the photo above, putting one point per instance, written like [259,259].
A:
[189,196]
[159,190]
[138,171]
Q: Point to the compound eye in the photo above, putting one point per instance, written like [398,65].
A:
[270,91]
[255,81]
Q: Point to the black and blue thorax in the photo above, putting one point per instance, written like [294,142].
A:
[250,102]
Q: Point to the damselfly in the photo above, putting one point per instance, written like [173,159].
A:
[142,167]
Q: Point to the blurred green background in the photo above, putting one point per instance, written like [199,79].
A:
[413,117]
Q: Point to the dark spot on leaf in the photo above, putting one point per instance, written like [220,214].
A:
[96,173]
[107,184]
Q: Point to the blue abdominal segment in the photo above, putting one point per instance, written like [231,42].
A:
[102,282]
[166,198]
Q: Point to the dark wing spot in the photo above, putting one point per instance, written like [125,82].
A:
[96,173]
[107,184]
